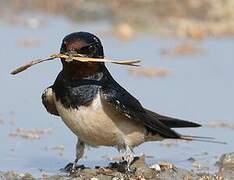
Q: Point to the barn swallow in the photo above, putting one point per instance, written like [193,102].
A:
[97,109]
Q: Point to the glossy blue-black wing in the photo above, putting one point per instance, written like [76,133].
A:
[128,105]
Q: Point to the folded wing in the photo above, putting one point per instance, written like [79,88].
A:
[125,103]
[48,101]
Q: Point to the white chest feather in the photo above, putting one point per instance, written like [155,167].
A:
[100,124]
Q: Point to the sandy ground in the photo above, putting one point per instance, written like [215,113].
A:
[141,170]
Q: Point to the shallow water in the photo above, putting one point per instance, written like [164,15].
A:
[198,88]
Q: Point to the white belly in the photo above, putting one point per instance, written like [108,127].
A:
[100,124]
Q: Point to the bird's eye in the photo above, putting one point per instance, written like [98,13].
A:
[83,50]
[88,50]
[91,48]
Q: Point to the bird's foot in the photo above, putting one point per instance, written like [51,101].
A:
[72,168]
[129,159]
[118,166]
[129,169]
[123,167]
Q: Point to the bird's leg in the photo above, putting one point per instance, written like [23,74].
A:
[128,156]
[80,146]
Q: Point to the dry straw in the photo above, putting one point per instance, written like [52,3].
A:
[77,57]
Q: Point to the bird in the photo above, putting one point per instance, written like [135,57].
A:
[98,110]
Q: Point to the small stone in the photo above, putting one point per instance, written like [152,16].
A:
[28,176]
[115,178]
[94,178]
[145,172]
[166,165]
[156,167]
[226,159]
[21,175]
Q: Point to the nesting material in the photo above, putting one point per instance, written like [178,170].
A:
[77,57]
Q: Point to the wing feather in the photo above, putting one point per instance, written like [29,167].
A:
[131,107]
[48,101]
[172,122]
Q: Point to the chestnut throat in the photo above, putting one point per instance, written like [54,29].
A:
[79,70]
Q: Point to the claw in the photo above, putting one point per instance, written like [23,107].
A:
[72,168]
[130,170]
[122,167]
[67,168]
[129,158]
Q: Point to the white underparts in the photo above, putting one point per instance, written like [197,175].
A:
[99,124]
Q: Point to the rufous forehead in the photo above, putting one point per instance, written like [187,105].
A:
[73,45]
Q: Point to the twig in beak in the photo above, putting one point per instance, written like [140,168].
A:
[29,64]
[77,57]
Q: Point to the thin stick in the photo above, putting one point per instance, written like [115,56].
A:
[87,59]
[77,57]
[29,64]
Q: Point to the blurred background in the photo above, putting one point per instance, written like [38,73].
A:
[186,48]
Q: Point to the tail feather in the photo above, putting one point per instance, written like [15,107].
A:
[201,139]
[198,137]
[178,123]
[172,122]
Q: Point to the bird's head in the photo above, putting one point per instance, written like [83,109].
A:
[83,43]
